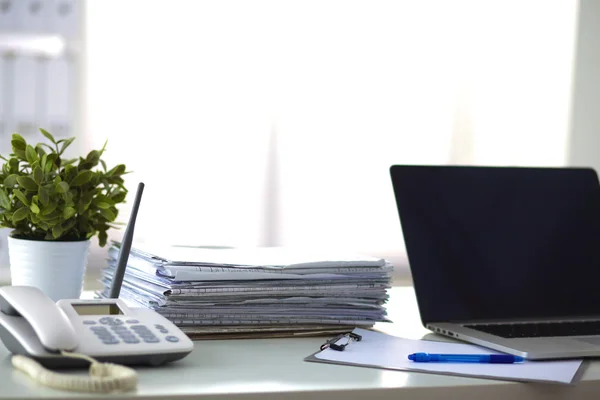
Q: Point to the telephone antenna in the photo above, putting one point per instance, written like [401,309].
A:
[117,281]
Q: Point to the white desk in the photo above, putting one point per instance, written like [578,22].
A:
[274,369]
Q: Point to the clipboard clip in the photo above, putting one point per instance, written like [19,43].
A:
[333,345]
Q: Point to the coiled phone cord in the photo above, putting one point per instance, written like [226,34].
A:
[104,377]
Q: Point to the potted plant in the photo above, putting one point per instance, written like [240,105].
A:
[54,207]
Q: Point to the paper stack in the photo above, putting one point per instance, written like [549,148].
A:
[215,292]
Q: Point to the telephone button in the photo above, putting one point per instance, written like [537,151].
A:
[89,322]
[105,336]
[139,327]
[132,321]
[130,340]
[125,334]
[98,329]
[110,341]
[119,328]
[151,339]
[172,339]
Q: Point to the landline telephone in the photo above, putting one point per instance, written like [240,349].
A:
[70,332]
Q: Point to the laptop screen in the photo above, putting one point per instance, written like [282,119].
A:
[501,242]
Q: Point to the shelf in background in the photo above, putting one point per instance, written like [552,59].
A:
[45,45]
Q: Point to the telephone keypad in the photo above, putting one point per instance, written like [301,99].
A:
[131,334]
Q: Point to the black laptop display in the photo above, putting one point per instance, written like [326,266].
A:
[489,243]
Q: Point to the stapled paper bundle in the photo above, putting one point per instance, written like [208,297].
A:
[215,292]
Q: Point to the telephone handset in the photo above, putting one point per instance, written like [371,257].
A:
[27,311]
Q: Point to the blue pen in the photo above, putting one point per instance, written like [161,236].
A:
[466,358]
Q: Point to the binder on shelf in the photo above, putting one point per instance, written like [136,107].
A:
[33,16]
[58,91]
[63,18]
[24,96]
[8,90]
[3,100]
[8,16]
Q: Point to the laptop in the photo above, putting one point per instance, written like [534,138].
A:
[505,257]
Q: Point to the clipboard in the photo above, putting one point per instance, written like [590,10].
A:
[379,350]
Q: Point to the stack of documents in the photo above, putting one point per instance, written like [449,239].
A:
[275,291]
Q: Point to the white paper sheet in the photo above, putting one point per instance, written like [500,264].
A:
[379,350]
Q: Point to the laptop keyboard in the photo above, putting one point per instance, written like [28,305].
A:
[540,329]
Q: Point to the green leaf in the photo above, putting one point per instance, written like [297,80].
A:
[20,214]
[70,161]
[43,195]
[48,135]
[57,231]
[61,187]
[27,183]
[40,150]
[108,214]
[38,175]
[43,160]
[14,165]
[4,200]
[31,154]
[52,157]
[68,198]
[50,148]
[69,224]
[49,208]
[104,199]
[103,205]
[34,208]
[119,197]
[18,142]
[118,170]
[20,154]
[102,238]
[68,212]
[10,181]
[82,178]
[65,144]
[21,197]
[69,173]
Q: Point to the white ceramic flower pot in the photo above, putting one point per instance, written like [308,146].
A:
[56,268]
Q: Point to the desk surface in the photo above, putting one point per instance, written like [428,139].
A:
[274,368]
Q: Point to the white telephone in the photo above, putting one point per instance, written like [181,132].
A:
[71,332]
[32,324]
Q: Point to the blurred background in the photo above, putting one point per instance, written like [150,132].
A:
[271,123]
